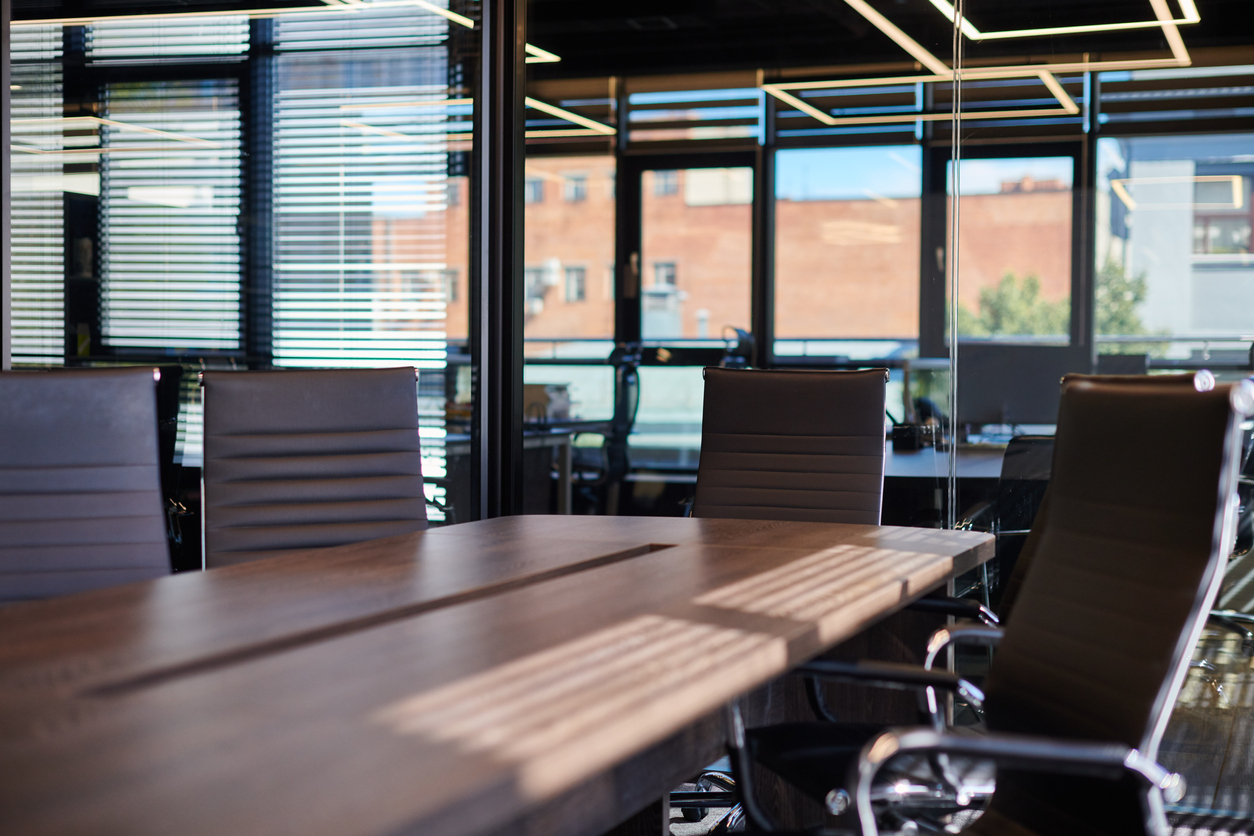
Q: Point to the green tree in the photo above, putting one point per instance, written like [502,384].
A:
[1117,296]
[1015,308]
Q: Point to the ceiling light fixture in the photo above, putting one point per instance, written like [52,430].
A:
[1187,7]
[423,103]
[898,37]
[1171,33]
[553,110]
[91,122]
[1119,187]
[780,91]
[535,55]
[1060,93]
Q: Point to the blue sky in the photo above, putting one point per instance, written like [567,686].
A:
[848,173]
[894,171]
[986,176]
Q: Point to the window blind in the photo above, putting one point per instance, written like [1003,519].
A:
[170,200]
[364,122]
[37,209]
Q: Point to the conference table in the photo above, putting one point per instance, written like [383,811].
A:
[539,674]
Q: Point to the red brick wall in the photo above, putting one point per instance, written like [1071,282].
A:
[845,269]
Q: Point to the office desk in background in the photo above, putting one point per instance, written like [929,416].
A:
[517,675]
[973,463]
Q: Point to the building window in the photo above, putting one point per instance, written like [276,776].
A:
[450,285]
[665,183]
[576,290]
[664,274]
[575,188]
[612,176]
[453,192]
[533,190]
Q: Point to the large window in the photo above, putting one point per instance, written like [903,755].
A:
[170,204]
[696,238]
[847,251]
[1175,269]
[1015,241]
[569,276]
[282,192]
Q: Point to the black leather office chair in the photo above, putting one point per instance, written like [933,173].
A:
[1129,555]
[792,445]
[80,484]
[787,445]
[303,459]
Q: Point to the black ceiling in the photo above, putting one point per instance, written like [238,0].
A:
[635,37]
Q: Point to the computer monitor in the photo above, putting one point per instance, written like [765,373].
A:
[1013,384]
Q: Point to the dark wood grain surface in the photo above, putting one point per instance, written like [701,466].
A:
[522,658]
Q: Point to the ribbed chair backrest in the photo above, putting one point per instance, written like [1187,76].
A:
[80,484]
[792,445]
[1201,381]
[1127,561]
[303,459]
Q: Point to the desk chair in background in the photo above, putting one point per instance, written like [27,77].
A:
[1129,556]
[792,445]
[786,445]
[80,482]
[303,459]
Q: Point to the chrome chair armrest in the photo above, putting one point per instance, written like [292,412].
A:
[971,634]
[1076,757]
[901,677]
[958,607]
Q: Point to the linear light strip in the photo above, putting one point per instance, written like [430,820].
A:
[1171,33]
[979,74]
[570,116]
[535,55]
[774,90]
[69,121]
[250,13]
[424,103]
[1059,92]
[1119,187]
[559,132]
[1188,8]
[898,37]
[901,118]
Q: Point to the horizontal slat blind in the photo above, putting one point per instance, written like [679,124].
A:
[146,40]
[171,198]
[360,190]
[362,134]
[37,213]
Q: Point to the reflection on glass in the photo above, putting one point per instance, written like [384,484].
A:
[695,252]
[1175,274]
[588,390]
[847,251]
[569,256]
[1015,246]
[667,432]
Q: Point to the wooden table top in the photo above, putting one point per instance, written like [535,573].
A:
[441,682]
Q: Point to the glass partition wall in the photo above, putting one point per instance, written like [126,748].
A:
[227,192]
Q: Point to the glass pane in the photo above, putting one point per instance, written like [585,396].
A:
[1014,242]
[569,258]
[696,249]
[40,187]
[667,432]
[1175,273]
[170,203]
[842,216]
[304,204]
